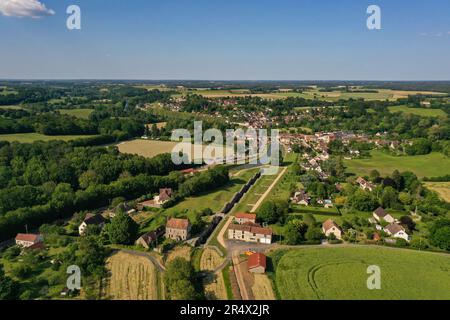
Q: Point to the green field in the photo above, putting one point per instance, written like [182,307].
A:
[423,112]
[341,273]
[15,107]
[430,165]
[32,137]
[79,113]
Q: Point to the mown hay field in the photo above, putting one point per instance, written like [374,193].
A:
[179,252]
[131,278]
[262,288]
[442,188]
[210,260]
[152,148]
[214,287]
[341,273]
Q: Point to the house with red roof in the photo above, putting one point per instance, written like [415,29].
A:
[26,240]
[242,218]
[257,263]
[330,227]
[178,229]
[250,233]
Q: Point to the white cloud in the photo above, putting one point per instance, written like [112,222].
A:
[24,8]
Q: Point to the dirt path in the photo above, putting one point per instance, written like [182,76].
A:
[155,261]
[240,277]
[220,236]
[274,183]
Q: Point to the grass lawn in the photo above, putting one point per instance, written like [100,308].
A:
[214,200]
[32,137]
[423,112]
[79,113]
[14,107]
[217,199]
[341,273]
[430,165]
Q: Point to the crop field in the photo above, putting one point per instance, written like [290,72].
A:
[179,252]
[423,112]
[262,288]
[146,148]
[430,165]
[214,287]
[152,148]
[341,273]
[132,278]
[381,94]
[442,188]
[210,260]
[32,137]
[79,113]
[213,283]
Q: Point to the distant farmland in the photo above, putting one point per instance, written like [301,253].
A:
[423,112]
[430,165]
[341,273]
[315,93]
[32,137]
[79,113]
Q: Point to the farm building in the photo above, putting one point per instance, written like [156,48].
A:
[250,233]
[90,220]
[330,227]
[381,214]
[178,229]
[242,218]
[150,239]
[257,263]
[28,240]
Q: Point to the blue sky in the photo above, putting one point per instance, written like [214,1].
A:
[229,40]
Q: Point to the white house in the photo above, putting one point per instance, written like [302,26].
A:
[396,231]
[91,219]
[381,214]
[329,227]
